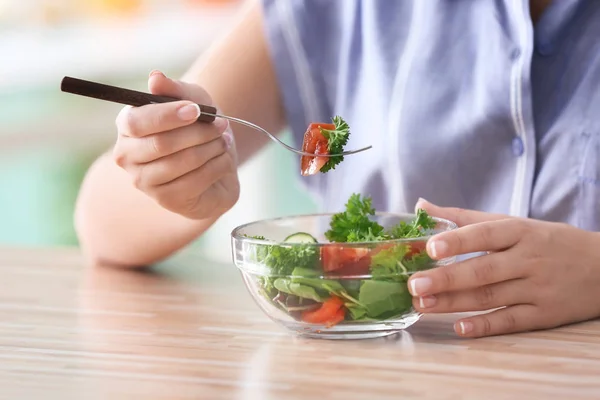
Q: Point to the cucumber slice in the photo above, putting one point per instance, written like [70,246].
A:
[300,237]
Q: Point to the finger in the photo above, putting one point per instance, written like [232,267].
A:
[483,298]
[171,167]
[155,118]
[479,237]
[459,216]
[161,85]
[129,151]
[468,274]
[518,318]
[184,192]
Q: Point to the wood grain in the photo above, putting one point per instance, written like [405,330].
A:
[189,330]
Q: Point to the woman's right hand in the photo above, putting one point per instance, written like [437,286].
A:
[188,168]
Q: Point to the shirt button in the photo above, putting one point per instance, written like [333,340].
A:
[517,147]
[515,54]
[544,49]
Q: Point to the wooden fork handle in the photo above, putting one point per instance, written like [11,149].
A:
[125,96]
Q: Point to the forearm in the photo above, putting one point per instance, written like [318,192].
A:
[119,225]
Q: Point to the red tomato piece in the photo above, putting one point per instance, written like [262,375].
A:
[415,249]
[339,316]
[314,142]
[328,313]
[334,258]
[361,267]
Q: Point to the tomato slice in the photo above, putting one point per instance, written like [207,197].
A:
[338,317]
[337,258]
[415,249]
[361,267]
[329,313]
[314,142]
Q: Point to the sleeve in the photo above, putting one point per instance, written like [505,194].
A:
[296,48]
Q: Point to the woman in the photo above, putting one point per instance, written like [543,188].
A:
[479,105]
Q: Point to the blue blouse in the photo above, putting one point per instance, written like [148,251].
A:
[466,103]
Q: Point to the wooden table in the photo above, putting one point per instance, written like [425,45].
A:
[190,331]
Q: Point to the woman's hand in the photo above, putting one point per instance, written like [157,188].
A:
[544,274]
[187,167]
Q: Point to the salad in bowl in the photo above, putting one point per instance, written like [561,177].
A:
[337,276]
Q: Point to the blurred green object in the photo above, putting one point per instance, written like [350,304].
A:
[39,188]
[41,166]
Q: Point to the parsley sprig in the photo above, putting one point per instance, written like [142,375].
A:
[336,140]
[420,223]
[355,224]
[283,259]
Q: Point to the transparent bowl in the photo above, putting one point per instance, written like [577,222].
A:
[290,281]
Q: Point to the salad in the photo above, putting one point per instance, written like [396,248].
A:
[325,139]
[338,282]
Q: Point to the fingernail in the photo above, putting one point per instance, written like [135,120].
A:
[189,112]
[427,301]
[419,203]
[463,327]
[228,137]
[436,248]
[419,286]
[221,124]
[156,72]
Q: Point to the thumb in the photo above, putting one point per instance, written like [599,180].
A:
[460,216]
[159,84]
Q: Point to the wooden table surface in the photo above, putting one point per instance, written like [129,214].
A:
[189,330]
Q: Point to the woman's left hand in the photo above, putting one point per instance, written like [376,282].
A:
[543,274]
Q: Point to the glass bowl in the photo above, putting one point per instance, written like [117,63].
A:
[332,290]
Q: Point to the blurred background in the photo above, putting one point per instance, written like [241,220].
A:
[48,139]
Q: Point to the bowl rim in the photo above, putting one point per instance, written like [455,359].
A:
[235,233]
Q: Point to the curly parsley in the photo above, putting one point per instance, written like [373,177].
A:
[282,260]
[355,224]
[336,140]
[419,224]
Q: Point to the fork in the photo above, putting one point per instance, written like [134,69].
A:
[137,99]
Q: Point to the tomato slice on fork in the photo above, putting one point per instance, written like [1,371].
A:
[315,142]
